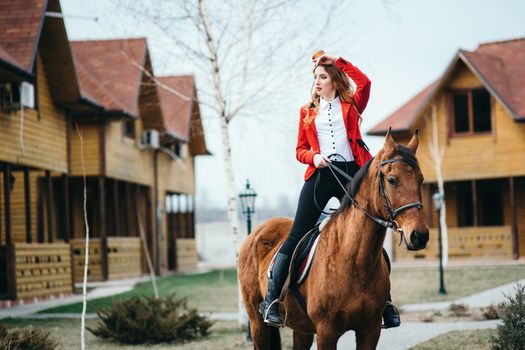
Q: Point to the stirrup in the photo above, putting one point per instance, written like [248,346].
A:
[265,316]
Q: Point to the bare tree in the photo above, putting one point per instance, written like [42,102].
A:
[244,49]
[437,153]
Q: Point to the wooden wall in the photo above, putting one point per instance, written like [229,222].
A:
[44,132]
[91,149]
[498,154]
[124,160]
[18,223]
[489,242]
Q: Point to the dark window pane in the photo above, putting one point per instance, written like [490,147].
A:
[129,128]
[481,108]
[490,202]
[461,123]
[465,210]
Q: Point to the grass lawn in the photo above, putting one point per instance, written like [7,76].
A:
[225,335]
[421,284]
[210,291]
[217,290]
[478,339]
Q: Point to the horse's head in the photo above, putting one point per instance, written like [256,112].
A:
[398,184]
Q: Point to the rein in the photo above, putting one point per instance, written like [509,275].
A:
[390,221]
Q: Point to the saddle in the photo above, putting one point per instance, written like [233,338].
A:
[301,262]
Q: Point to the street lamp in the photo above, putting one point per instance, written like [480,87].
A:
[248,208]
[438,202]
[248,204]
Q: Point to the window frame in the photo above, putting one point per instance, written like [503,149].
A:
[452,116]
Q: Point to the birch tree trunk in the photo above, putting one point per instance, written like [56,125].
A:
[437,156]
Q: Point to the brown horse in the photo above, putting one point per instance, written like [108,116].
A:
[348,282]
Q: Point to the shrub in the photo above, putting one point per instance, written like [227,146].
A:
[511,334]
[459,310]
[492,312]
[27,338]
[149,320]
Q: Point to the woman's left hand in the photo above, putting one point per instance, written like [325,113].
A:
[325,60]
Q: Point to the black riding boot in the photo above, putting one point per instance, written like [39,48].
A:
[269,308]
[391,317]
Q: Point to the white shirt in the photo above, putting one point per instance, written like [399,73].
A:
[331,129]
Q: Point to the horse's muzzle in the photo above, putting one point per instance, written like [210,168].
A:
[418,240]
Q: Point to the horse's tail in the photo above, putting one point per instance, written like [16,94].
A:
[275,338]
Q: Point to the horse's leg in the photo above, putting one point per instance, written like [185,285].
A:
[368,339]
[326,337]
[260,334]
[302,341]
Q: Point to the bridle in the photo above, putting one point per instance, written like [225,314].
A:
[390,220]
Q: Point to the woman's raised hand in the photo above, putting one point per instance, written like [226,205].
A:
[321,161]
[321,58]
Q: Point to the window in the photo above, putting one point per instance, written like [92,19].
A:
[483,209]
[471,111]
[128,128]
[465,210]
[490,202]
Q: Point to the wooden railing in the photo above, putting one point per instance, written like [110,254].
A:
[95,259]
[186,254]
[42,269]
[492,242]
[124,257]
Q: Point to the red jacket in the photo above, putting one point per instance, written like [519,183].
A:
[307,143]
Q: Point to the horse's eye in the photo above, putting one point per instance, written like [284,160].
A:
[391,181]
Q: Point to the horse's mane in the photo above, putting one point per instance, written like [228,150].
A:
[353,187]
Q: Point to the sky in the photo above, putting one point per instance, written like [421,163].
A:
[402,45]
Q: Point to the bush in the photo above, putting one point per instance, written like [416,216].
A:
[27,338]
[459,310]
[149,320]
[511,334]
[492,312]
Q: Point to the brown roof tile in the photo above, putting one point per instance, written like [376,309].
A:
[20,23]
[176,102]
[500,66]
[115,65]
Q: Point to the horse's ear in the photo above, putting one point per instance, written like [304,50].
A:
[389,147]
[414,142]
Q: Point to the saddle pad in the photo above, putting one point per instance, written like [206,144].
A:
[303,256]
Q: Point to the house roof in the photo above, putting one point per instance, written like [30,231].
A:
[110,71]
[499,66]
[403,118]
[176,98]
[180,109]
[20,24]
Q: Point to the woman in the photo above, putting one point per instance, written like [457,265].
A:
[328,129]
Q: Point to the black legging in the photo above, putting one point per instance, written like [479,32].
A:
[307,213]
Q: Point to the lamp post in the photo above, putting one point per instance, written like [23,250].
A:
[248,208]
[248,204]
[438,201]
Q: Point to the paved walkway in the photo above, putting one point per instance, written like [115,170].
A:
[413,333]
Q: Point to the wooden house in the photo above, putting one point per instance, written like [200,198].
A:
[93,108]
[38,91]
[480,112]
[139,156]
